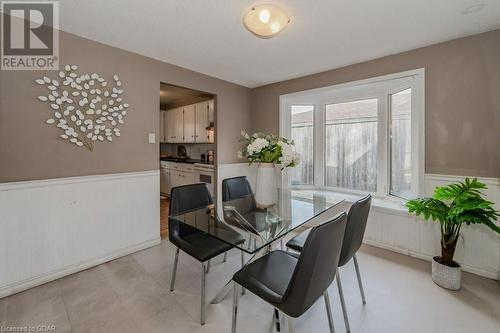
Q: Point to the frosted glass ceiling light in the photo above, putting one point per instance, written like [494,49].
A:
[265,20]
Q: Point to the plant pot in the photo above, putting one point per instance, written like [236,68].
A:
[449,277]
[266,191]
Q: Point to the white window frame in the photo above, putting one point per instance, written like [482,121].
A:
[380,87]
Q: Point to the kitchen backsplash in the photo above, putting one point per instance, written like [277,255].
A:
[194,150]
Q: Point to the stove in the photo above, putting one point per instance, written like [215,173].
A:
[204,166]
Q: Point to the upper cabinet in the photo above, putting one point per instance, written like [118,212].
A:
[201,132]
[211,116]
[173,125]
[177,123]
[187,123]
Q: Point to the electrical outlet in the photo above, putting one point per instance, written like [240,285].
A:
[152,138]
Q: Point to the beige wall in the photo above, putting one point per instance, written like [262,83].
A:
[462,100]
[30,149]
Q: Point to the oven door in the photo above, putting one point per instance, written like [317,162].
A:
[206,177]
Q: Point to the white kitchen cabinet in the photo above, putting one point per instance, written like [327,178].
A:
[175,178]
[201,133]
[211,112]
[175,125]
[179,125]
[181,174]
[180,178]
[165,184]
[169,126]
[163,126]
[189,123]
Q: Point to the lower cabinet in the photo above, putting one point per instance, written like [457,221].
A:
[179,178]
[165,183]
[175,174]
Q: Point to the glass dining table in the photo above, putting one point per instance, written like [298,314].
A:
[253,229]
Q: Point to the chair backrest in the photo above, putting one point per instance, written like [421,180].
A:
[189,197]
[316,267]
[355,229]
[184,199]
[238,190]
[235,188]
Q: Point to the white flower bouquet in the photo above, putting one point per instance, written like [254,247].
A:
[264,148]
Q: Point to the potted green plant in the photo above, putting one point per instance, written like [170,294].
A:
[452,206]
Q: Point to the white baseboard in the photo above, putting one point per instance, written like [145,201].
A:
[51,276]
[465,268]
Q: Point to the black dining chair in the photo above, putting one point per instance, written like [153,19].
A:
[293,284]
[353,238]
[194,242]
[238,191]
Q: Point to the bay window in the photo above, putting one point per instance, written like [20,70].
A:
[351,145]
[364,136]
[302,132]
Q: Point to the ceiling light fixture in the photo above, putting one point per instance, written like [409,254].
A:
[265,20]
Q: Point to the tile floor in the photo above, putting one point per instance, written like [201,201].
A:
[131,294]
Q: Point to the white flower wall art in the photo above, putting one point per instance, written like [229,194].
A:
[86,108]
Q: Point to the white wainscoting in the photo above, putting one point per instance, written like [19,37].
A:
[478,250]
[52,228]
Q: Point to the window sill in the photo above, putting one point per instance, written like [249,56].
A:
[389,205]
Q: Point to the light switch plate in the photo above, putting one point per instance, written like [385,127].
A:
[152,138]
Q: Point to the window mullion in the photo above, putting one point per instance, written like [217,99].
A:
[319,143]
[286,131]
[383,145]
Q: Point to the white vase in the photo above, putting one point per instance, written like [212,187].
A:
[446,276]
[266,190]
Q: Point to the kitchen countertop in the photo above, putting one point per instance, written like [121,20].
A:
[182,160]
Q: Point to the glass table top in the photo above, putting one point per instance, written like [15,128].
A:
[245,225]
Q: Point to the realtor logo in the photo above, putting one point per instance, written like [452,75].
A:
[30,35]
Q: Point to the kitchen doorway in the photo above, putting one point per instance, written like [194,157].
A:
[187,150]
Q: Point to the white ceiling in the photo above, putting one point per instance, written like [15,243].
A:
[207,35]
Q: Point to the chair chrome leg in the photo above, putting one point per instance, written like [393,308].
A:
[342,302]
[242,265]
[358,274]
[174,271]
[329,311]
[225,257]
[277,320]
[202,309]
[235,307]
[281,243]
[291,328]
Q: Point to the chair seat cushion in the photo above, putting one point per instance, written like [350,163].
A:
[268,277]
[201,246]
[297,242]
